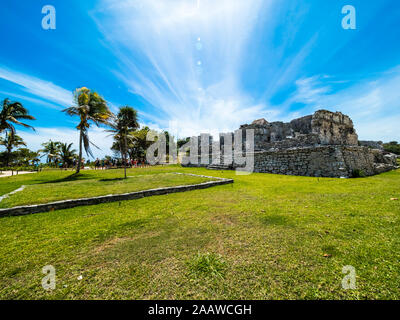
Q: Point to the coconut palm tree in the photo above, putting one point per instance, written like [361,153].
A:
[10,142]
[125,122]
[26,157]
[12,113]
[67,154]
[51,149]
[90,108]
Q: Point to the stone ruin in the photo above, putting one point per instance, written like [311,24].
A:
[321,128]
[324,144]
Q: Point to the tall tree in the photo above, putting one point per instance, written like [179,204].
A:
[140,144]
[182,142]
[393,147]
[67,154]
[123,125]
[10,142]
[26,157]
[51,149]
[11,114]
[90,108]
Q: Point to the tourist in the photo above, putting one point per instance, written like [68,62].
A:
[96,164]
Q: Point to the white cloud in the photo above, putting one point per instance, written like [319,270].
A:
[38,87]
[309,90]
[155,42]
[373,104]
[40,102]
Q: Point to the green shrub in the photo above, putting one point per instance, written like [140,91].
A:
[358,173]
[393,147]
[209,264]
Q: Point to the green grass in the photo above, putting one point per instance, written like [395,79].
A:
[91,184]
[264,237]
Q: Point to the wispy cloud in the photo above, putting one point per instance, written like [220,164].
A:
[12,95]
[183,59]
[372,103]
[38,87]
[212,67]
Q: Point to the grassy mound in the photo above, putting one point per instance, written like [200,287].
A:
[264,237]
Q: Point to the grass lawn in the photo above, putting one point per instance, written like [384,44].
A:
[91,184]
[264,237]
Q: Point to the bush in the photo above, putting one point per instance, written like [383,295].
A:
[209,264]
[26,168]
[358,173]
[393,147]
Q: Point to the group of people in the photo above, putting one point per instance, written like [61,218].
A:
[72,164]
[116,163]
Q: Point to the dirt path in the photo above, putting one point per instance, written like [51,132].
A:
[9,173]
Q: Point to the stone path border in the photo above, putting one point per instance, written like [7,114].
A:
[21,188]
[67,204]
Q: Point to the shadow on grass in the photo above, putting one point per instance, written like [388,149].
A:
[72,177]
[81,176]
[112,179]
[276,220]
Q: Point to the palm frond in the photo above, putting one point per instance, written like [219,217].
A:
[25,117]
[72,111]
[87,143]
[14,120]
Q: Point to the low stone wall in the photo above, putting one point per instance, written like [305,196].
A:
[333,161]
[324,161]
[67,204]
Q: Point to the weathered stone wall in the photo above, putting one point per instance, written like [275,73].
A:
[372,144]
[334,128]
[324,144]
[321,128]
[323,161]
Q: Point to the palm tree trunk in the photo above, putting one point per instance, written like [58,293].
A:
[123,158]
[78,166]
[125,147]
[8,154]
[7,159]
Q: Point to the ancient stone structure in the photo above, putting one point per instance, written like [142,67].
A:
[324,144]
[372,144]
[321,128]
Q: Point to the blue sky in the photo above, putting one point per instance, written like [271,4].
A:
[193,66]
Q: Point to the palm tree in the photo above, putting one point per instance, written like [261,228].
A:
[137,145]
[67,154]
[25,157]
[11,113]
[10,142]
[125,122]
[90,107]
[51,149]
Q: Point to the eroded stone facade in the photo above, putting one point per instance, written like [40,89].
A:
[324,144]
[321,128]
